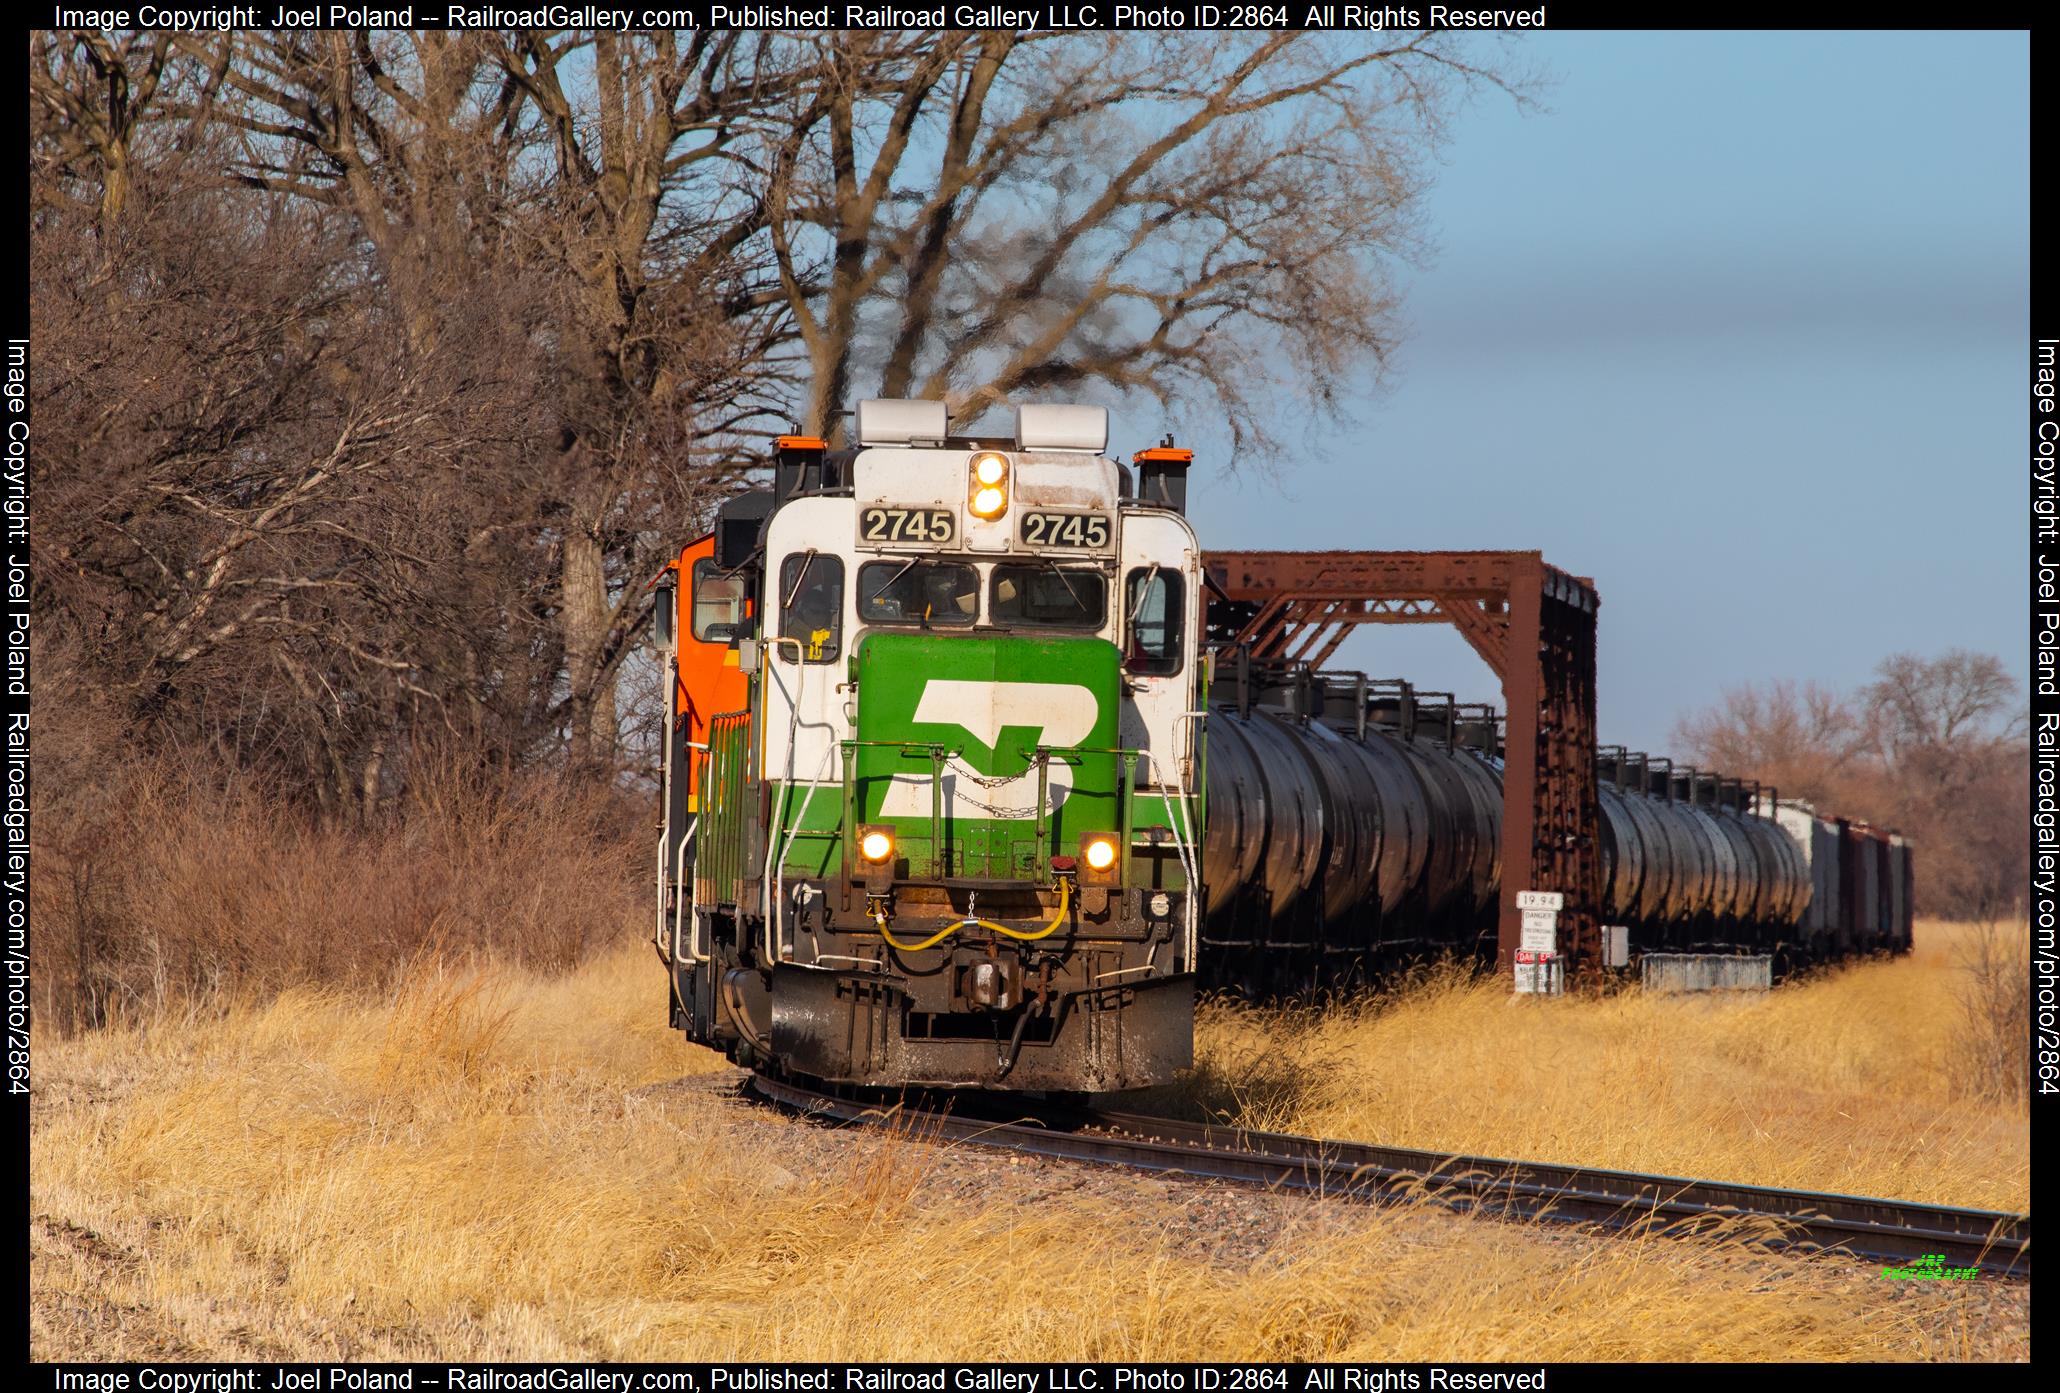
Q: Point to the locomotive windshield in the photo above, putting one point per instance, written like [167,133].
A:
[1044,595]
[931,593]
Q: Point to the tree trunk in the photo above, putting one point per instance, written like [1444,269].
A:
[583,617]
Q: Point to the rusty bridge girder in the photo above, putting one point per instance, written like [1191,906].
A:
[1531,622]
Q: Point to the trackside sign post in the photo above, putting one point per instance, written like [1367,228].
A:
[1538,971]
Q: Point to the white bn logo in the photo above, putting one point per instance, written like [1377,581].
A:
[1057,713]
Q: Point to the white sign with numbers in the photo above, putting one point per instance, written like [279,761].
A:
[1540,899]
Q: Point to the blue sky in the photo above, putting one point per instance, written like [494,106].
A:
[1735,324]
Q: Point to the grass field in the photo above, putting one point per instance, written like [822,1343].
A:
[508,1165]
[1871,1079]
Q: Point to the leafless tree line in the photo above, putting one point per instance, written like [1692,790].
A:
[377,372]
[1931,746]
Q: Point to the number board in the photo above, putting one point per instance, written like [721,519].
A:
[880,527]
[1067,531]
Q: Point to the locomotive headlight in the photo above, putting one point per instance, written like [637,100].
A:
[989,494]
[1100,863]
[875,844]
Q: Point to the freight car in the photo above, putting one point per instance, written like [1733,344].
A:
[1354,824]
[937,807]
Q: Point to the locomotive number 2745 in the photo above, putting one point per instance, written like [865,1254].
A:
[930,525]
[1089,531]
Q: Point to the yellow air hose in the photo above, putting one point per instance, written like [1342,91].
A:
[1065,888]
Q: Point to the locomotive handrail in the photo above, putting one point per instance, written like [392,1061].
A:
[679,864]
[937,752]
[1042,755]
[775,853]
[1126,783]
[1188,847]
[693,905]
[658,927]
[938,759]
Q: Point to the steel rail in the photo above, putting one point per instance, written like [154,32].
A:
[1893,1232]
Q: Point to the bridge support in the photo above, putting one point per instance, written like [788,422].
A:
[1531,622]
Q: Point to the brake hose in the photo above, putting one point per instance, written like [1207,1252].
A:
[1065,886]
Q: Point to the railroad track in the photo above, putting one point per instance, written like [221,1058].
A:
[1892,1232]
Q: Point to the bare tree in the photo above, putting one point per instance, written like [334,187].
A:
[264,522]
[663,348]
[1942,729]
[1925,747]
[1801,738]
[229,455]
[393,363]
[978,216]
[88,95]
[476,151]
[1928,710]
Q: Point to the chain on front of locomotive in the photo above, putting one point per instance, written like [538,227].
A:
[933,788]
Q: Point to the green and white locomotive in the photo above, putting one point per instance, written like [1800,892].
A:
[933,782]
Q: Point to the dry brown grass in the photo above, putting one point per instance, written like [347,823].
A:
[502,1166]
[407,1091]
[162,883]
[1870,1079]
[1991,964]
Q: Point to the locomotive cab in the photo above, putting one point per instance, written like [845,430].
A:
[934,765]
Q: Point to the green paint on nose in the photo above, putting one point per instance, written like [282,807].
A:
[989,702]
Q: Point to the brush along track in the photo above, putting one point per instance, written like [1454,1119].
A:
[1894,1232]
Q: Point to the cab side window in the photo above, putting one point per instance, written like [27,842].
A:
[1152,621]
[812,606]
[721,609]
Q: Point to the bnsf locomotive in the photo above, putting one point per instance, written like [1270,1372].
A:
[937,807]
